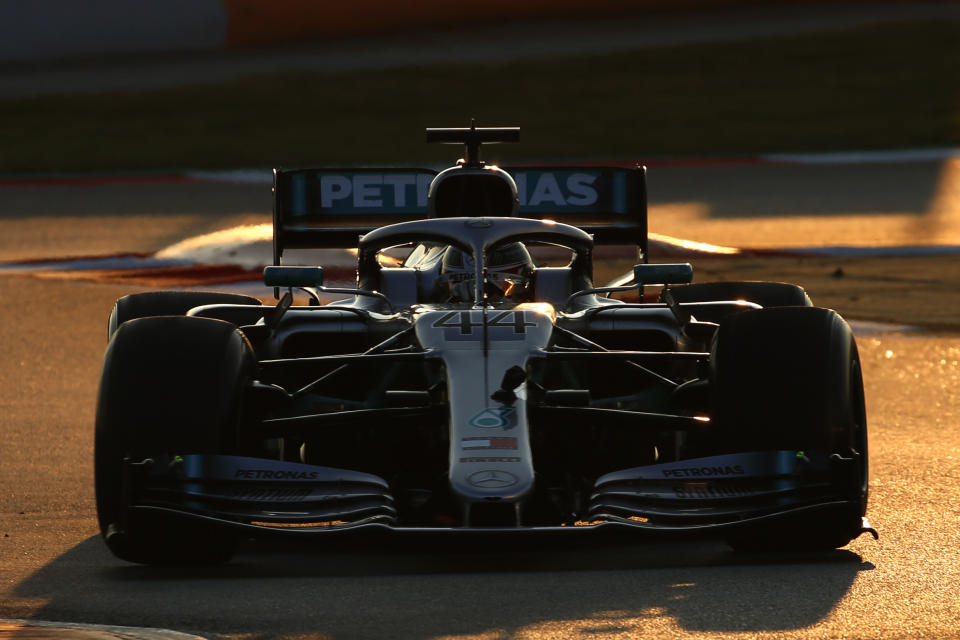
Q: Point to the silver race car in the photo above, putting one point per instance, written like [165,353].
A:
[475,381]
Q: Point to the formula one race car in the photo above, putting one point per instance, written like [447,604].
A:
[465,386]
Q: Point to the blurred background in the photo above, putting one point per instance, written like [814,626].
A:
[149,128]
[112,85]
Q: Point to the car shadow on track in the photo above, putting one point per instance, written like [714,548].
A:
[439,588]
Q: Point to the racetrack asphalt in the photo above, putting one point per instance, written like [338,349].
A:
[53,565]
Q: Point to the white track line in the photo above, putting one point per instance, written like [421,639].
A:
[864,157]
[62,629]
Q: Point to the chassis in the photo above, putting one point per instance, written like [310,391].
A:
[727,409]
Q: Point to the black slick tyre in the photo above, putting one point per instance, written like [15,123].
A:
[168,303]
[789,379]
[766,294]
[170,385]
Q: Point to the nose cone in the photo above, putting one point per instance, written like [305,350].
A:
[490,453]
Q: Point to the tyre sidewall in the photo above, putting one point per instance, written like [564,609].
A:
[790,379]
[170,385]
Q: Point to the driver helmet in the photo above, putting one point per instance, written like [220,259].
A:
[509,274]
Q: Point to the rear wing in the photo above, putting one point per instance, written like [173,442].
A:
[330,208]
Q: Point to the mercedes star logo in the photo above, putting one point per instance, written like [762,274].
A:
[492,479]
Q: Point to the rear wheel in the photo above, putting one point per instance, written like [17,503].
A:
[168,303]
[789,379]
[766,294]
[170,385]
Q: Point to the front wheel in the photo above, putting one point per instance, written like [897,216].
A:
[170,385]
[790,379]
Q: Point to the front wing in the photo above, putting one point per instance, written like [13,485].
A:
[710,496]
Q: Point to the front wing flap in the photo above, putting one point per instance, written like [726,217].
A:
[259,492]
[724,490]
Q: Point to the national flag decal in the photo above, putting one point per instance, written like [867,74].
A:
[489,443]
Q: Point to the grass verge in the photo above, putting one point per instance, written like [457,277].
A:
[886,86]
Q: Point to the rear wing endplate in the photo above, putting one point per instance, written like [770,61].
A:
[330,208]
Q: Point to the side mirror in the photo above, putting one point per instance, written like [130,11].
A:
[663,273]
[309,278]
[293,276]
[644,274]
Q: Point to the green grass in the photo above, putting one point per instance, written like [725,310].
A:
[888,86]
